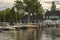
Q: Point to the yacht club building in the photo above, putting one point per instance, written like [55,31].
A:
[31,19]
[52,15]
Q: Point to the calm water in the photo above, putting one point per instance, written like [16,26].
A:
[50,34]
[7,35]
[47,34]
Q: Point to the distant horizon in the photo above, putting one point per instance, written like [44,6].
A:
[45,3]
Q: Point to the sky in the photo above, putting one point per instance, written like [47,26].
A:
[6,4]
[45,3]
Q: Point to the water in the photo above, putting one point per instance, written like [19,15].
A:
[50,34]
[47,34]
[7,35]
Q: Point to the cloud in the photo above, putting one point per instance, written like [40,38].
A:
[6,4]
[47,3]
[56,2]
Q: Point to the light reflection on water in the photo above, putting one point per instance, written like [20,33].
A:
[47,34]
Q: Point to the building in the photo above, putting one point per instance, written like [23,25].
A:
[52,15]
[31,19]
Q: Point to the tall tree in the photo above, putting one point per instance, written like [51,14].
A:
[7,14]
[1,15]
[18,5]
[4,14]
[33,6]
[19,8]
[53,7]
[12,15]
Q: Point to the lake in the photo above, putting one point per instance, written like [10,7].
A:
[50,33]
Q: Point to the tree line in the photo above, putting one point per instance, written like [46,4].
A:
[23,8]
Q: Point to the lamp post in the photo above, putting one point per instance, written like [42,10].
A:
[15,13]
[29,16]
[4,16]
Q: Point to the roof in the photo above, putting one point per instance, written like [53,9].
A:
[32,18]
[52,13]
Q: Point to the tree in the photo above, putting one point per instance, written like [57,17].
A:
[19,8]
[7,14]
[33,6]
[18,5]
[53,7]
[4,15]
[12,15]
[1,15]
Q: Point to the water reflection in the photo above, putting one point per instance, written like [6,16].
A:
[50,33]
[7,35]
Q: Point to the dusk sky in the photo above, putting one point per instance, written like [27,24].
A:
[45,3]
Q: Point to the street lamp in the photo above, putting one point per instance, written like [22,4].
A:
[29,16]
